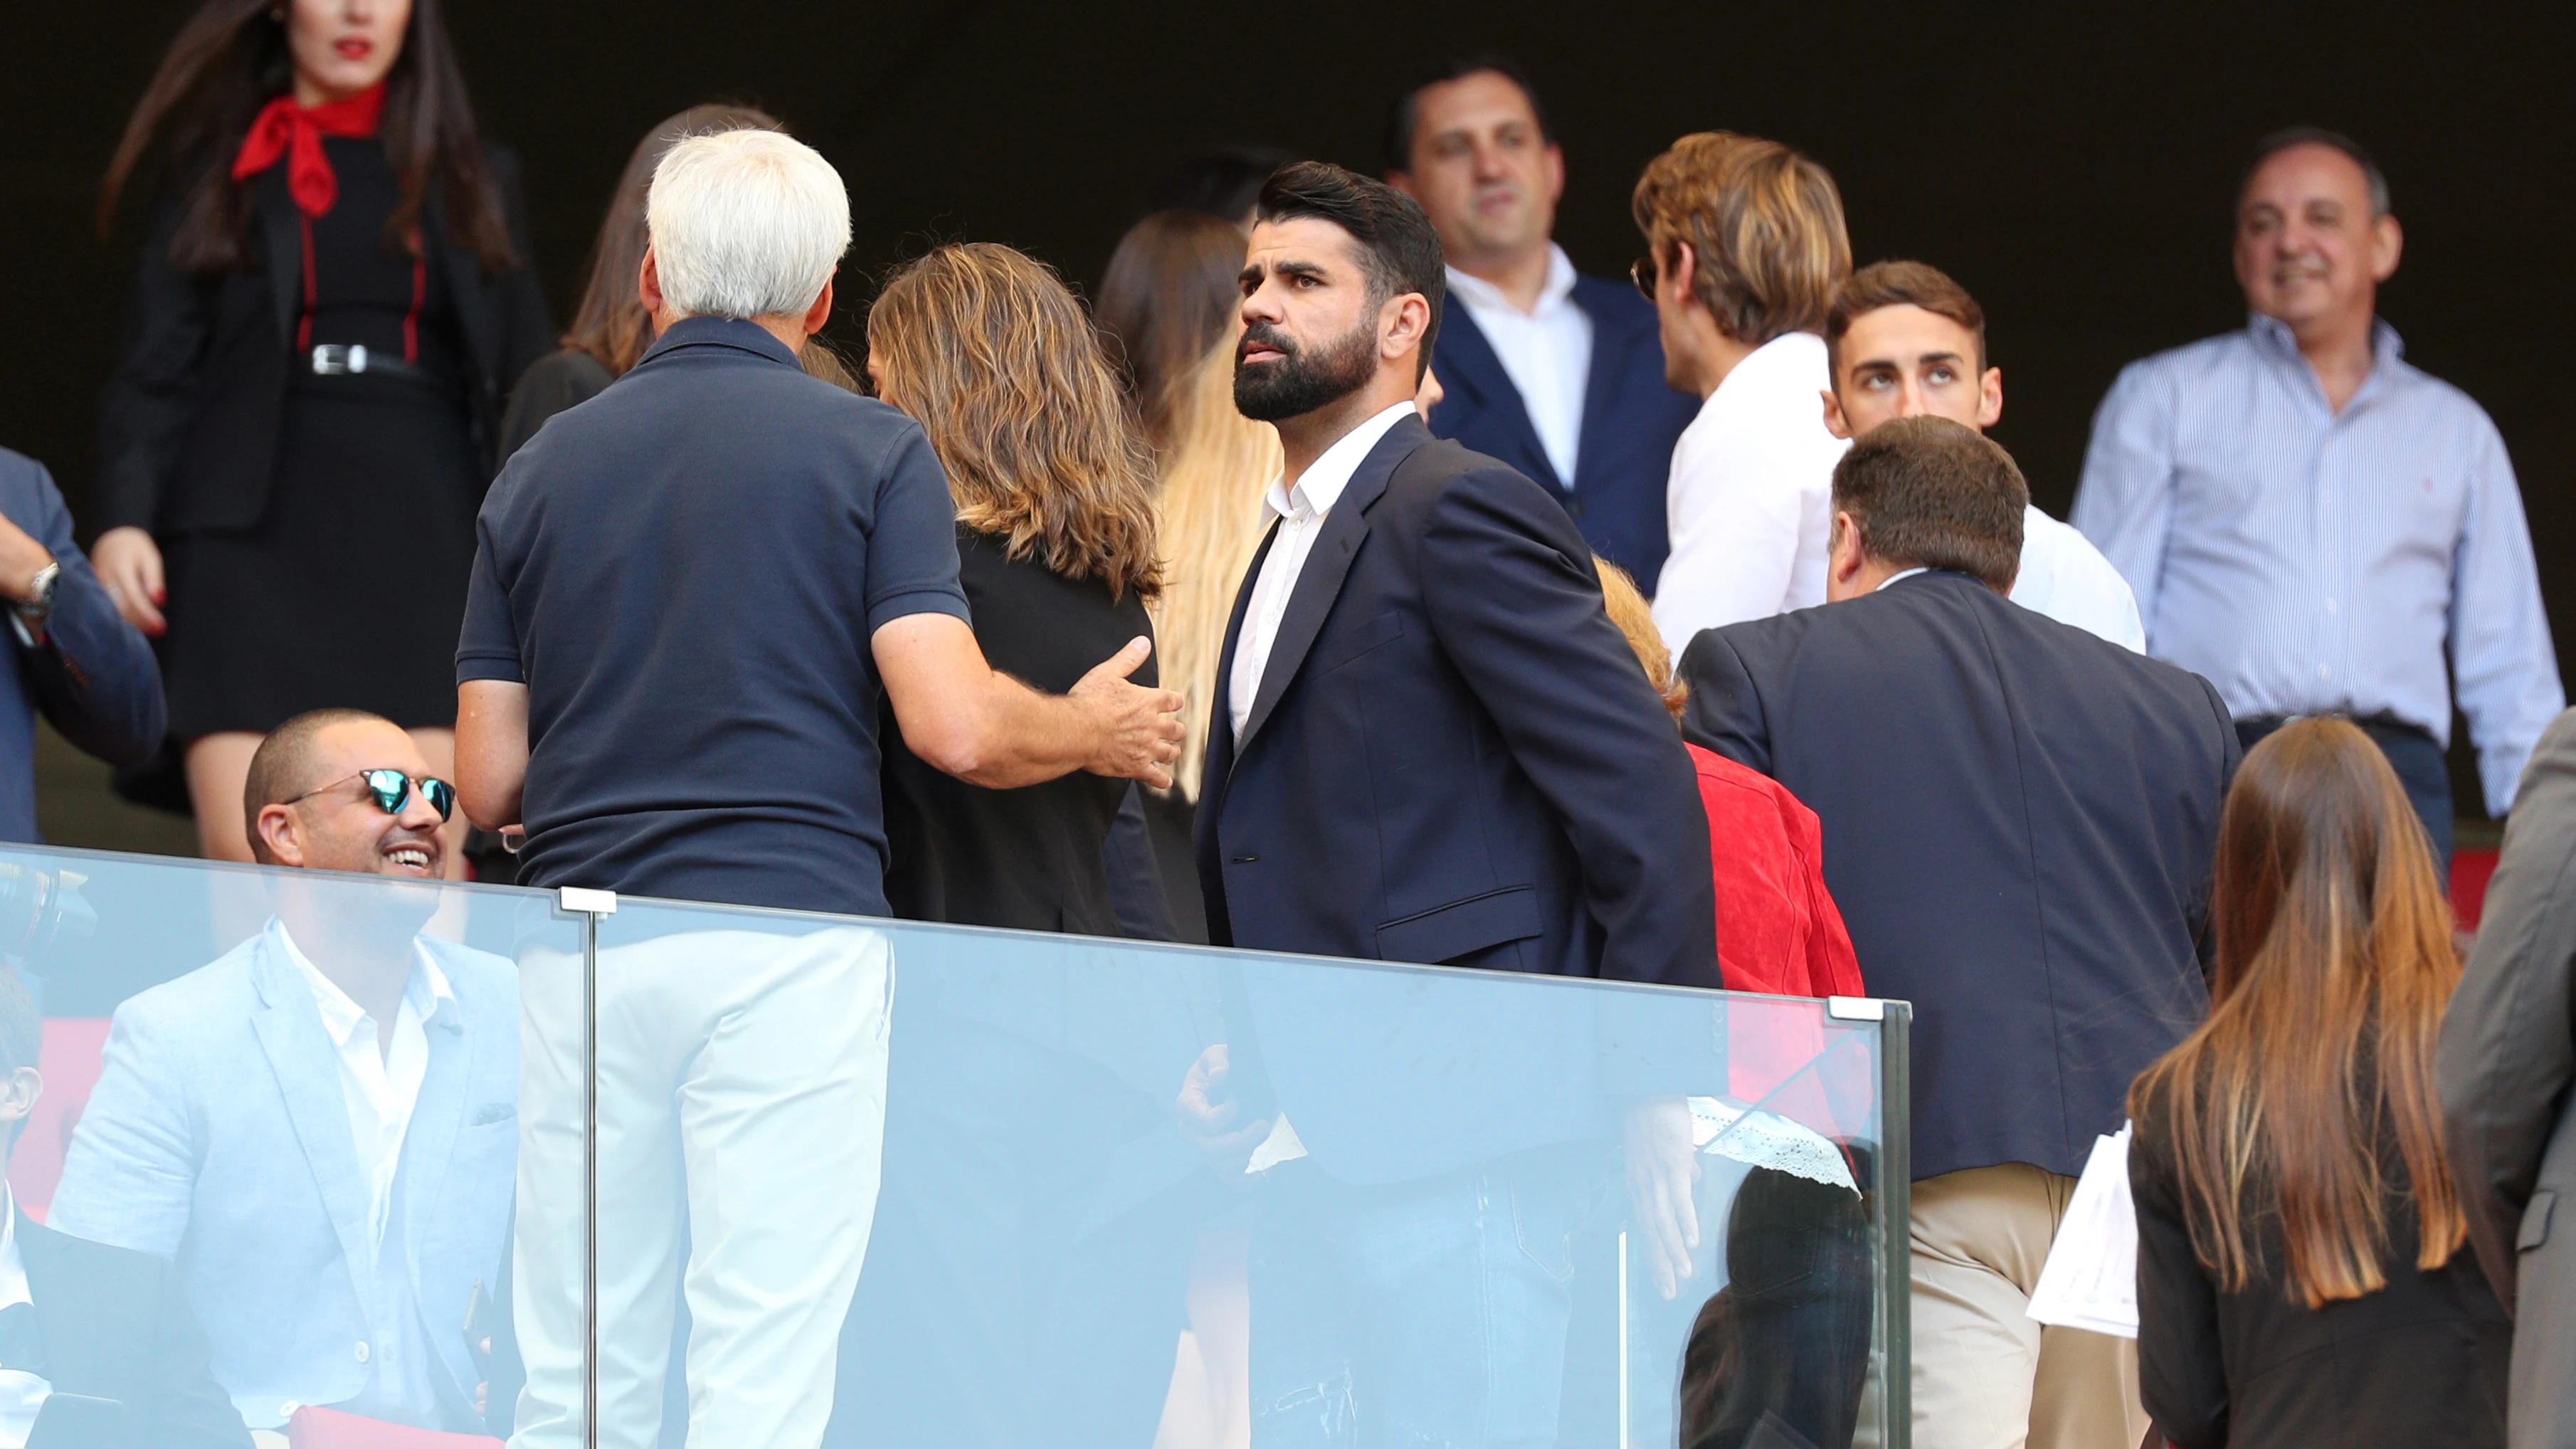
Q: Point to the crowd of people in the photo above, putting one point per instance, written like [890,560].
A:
[1349,577]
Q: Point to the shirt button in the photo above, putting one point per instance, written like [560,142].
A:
[362,1350]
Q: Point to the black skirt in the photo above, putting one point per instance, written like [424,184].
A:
[350,590]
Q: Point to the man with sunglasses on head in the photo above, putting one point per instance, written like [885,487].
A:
[320,1128]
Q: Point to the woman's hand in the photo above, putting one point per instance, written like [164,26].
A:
[129,563]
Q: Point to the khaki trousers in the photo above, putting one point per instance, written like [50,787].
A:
[1986,1374]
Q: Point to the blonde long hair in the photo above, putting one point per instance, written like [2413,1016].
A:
[992,354]
[1213,467]
[2334,965]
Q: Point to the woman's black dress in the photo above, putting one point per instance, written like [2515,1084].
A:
[1027,858]
[349,589]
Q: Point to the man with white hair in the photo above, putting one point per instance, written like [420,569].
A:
[686,594]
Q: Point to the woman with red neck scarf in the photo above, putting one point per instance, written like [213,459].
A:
[334,300]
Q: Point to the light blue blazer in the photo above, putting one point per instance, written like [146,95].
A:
[218,1136]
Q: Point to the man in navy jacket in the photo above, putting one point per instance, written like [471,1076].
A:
[78,662]
[1557,374]
[2020,820]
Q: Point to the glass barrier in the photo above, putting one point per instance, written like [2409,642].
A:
[667,1174]
[294,1213]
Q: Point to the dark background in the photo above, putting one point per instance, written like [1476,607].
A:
[2074,170]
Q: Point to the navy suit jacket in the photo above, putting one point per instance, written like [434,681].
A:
[2019,822]
[1631,419]
[93,677]
[1454,757]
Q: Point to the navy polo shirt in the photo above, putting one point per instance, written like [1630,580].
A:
[685,572]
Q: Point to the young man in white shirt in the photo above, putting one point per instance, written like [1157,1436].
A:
[1903,340]
[321,1127]
[1746,250]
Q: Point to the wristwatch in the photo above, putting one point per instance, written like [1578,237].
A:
[34,611]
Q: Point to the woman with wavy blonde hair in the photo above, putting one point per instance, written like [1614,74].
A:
[994,357]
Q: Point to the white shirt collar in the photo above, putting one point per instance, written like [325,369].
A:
[1901,574]
[1482,295]
[427,993]
[1321,487]
[13,1267]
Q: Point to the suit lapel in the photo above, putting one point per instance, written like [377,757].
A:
[285,242]
[1221,749]
[464,283]
[1610,353]
[1319,583]
[308,1077]
[1465,358]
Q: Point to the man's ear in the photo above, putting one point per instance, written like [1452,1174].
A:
[648,283]
[1835,422]
[2387,244]
[1990,398]
[282,832]
[1403,181]
[1843,552]
[1401,324]
[818,316]
[18,1093]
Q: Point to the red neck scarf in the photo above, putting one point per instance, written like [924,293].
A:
[295,132]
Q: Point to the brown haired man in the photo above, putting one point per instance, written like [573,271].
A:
[2041,911]
[1905,341]
[1745,248]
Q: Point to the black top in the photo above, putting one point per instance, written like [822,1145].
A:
[114,1324]
[1028,858]
[2019,824]
[557,382]
[2421,1362]
[686,572]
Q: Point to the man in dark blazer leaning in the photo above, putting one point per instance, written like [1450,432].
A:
[1429,744]
[2019,823]
[2508,1077]
[1558,374]
[78,1317]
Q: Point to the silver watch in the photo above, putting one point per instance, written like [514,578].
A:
[37,610]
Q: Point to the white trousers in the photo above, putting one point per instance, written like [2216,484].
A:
[742,1082]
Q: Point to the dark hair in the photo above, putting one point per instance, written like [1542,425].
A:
[1928,493]
[1223,183]
[1406,113]
[231,59]
[2282,140]
[282,767]
[1900,284]
[1169,294]
[1397,244]
[611,324]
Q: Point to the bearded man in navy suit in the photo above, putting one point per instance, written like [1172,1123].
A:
[1557,374]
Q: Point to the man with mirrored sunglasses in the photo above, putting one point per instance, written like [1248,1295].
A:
[320,1128]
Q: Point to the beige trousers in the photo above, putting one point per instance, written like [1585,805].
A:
[1986,1374]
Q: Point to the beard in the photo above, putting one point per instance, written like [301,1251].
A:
[1301,382]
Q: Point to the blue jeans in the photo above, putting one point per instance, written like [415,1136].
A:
[1416,1315]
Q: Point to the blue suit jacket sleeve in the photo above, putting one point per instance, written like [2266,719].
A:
[1724,712]
[93,676]
[1510,590]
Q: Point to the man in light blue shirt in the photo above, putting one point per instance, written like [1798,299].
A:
[2310,522]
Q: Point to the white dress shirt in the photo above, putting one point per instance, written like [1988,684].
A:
[380,1090]
[1301,509]
[1751,496]
[22,1394]
[1546,351]
[2065,577]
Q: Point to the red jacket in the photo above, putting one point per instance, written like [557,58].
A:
[1778,931]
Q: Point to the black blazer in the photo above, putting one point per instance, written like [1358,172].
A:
[1631,419]
[115,1325]
[1454,756]
[1028,858]
[2421,1362]
[2019,824]
[188,424]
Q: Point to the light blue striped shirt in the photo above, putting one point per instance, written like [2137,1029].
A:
[2306,561]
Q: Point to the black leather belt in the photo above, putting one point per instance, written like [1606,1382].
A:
[332,359]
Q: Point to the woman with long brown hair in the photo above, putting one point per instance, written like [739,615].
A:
[334,299]
[994,357]
[1170,303]
[2301,1272]
[610,328]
